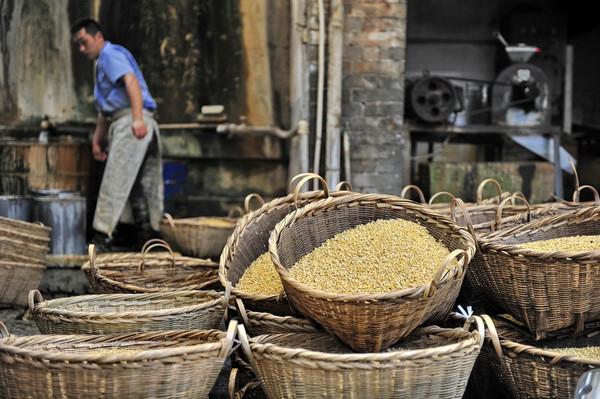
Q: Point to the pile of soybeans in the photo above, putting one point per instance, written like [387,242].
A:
[380,256]
[586,352]
[579,243]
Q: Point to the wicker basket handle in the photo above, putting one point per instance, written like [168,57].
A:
[3,331]
[230,339]
[155,244]
[491,329]
[169,219]
[92,256]
[249,198]
[235,212]
[226,298]
[303,182]
[440,193]
[482,185]
[432,287]
[592,189]
[409,187]
[512,200]
[467,217]
[244,341]
[31,299]
[341,185]
[241,309]
[299,176]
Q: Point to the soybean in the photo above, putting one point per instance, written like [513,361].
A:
[577,243]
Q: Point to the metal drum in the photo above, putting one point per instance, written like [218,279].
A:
[16,207]
[65,213]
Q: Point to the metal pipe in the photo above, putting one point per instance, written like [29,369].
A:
[334,93]
[243,129]
[320,84]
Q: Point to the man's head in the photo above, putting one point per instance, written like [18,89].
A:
[87,35]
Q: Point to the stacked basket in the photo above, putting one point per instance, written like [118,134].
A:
[513,363]
[23,250]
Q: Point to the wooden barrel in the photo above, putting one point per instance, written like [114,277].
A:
[58,165]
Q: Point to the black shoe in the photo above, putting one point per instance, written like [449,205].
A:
[102,242]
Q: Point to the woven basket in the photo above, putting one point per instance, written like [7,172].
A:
[546,291]
[260,323]
[200,237]
[531,369]
[17,278]
[250,239]
[165,364]
[127,313]
[32,228]
[432,362]
[149,272]
[369,322]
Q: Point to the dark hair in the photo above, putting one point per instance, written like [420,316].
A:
[90,25]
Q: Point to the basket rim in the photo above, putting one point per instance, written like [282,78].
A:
[495,241]
[22,346]
[471,338]
[423,291]
[547,355]
[44,308]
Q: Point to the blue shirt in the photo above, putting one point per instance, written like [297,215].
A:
[110,94]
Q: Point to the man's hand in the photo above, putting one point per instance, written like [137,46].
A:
[98,154]
[139,128]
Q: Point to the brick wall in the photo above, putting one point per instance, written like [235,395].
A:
[372,91]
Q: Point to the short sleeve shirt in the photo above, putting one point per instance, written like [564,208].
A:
[109,91]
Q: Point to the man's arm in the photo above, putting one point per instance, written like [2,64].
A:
[134,92]
[99,133]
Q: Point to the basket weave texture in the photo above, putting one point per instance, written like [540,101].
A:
[165,364]
[113,273]
[369,322]
[260,323]
[250,239]
[127,313]
[23,250]
[546,291]
[200,237]
[526,368]
[432,362]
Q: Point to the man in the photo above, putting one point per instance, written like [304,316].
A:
[133,171]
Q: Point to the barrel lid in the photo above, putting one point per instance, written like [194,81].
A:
[56,193]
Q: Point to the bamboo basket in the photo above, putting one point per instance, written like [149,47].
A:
[369,322]
[200,237]
[149,272]
[250,238]
[546,291]
[37,229]
[165,364]
[127,313]
[17,278]
[432,362]
[529,369]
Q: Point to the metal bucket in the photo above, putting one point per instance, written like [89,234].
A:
[65,213]
[16,207]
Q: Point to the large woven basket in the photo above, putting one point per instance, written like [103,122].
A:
[200,237]
[17,278]
[369,322]
[127,313]
[432,362]
[165,364]
[149,272]
[250,239]
[36,229]
[527,369]
[546,291]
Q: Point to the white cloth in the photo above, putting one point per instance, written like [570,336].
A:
[125,157]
